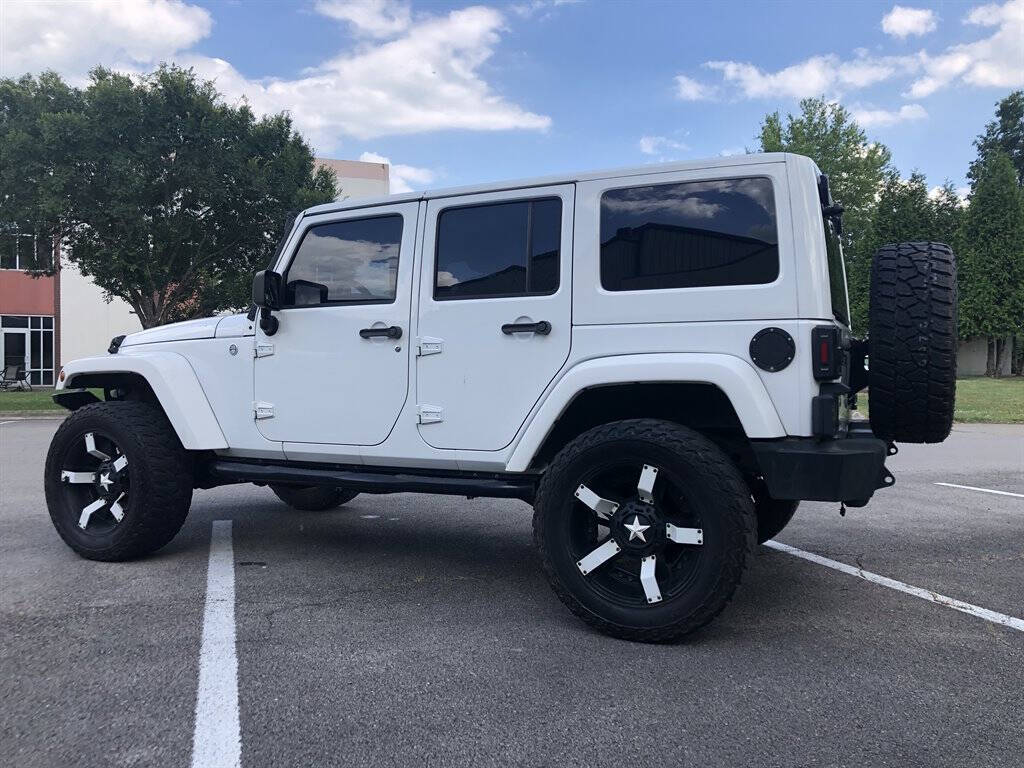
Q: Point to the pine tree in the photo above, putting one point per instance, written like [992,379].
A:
[992,258]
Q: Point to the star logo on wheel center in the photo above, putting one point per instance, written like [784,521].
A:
[636,531]
[105,481]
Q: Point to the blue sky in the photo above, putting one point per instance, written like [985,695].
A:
[457,93]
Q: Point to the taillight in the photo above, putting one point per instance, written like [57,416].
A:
[826,341]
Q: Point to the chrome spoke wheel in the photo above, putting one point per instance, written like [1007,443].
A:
[634,536]
[95,483]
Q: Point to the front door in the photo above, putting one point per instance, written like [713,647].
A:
[495,312]
[337,370]
[15,348]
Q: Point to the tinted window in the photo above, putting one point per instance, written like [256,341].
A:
[689,235]
[836,274]
[346,261]
[504,249]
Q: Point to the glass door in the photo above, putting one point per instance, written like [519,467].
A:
[15,348]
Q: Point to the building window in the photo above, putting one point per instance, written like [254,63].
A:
[689,235]
[498,249]
[24,252]
[346,262]
[28,340]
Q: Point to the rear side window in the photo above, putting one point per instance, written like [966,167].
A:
[352,261]
[836,274]
[498,249]
[689,235]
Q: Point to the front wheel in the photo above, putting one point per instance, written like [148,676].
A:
[118,482]
[644,528]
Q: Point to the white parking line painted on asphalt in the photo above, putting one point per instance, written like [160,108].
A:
[925,594]
[217,740]
[982,490]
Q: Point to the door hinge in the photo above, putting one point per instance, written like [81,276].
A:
[428,345]
[262,410]
[430,414]
[263,350]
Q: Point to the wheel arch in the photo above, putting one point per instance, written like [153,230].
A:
[719,395]
[163,378]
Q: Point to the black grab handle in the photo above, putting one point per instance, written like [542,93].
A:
[543,327]
[391,332]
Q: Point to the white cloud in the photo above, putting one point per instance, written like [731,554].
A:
[425,79]
[654,145]
[962,193]
[403,78]
[812,77]
[992,62]
[545,8]
[996,61]
[689,89]
[376,18]
[869,118]
[403,178]
[72,38]
[902,22]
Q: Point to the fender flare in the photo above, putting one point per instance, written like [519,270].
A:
[733,375]
[173,382]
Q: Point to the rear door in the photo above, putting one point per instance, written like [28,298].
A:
[337,370]
[495,312]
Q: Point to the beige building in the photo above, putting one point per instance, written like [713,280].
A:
[358,179]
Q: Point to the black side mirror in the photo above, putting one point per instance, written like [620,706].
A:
[266,294]
[266,290]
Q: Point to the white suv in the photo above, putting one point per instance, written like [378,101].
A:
[658,359]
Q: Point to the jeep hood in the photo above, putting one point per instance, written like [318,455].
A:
[204,328]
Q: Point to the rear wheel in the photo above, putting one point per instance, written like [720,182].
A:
[118,482]
[912,337]
[643,529]
[313,498]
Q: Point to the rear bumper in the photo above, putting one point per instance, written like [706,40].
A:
[849,469]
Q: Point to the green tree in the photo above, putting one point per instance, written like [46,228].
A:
[1004,134]
[948,211]
[34,162]
[856,168]
[992,257]
[165,195]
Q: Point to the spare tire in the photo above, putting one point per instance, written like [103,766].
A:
[912,342]
[313,498]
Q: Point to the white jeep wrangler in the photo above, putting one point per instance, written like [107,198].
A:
[658,359]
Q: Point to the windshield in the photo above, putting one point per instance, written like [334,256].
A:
[836,273]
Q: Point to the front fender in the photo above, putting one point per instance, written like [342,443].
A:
[734,376]
[174,383]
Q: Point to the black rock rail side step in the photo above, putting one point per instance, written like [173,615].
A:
[220,471]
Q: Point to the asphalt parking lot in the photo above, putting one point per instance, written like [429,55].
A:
[407,630]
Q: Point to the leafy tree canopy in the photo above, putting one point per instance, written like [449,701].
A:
[1004,134]
[992,251]
[856,168]
[167,196]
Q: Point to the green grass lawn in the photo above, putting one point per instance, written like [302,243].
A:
[39,399]
[981,400]
[978,399]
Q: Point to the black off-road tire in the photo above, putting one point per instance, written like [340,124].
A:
[160,472]
[912,337]
[313,498]
[713,482]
